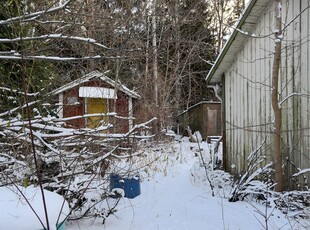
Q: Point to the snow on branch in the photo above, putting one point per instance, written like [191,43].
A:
[53,36]
[51,128]
[18,92]
[251,35]
[84,116]
[247,183]
[55,58]
[304,171]
[101,158]
[50,147]
[8,112]
[292,95]
[33,16]
[143,125]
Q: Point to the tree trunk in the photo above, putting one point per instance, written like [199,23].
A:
[279,179]
[155,71]
[90,33]
[145,87]
[154,44]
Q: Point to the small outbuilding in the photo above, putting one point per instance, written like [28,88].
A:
[93,100]
[204,117]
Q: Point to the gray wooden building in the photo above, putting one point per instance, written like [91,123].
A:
[244,67]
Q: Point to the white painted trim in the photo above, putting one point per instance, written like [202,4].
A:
[130,112]
[85,110]
[60,111]
[96,92]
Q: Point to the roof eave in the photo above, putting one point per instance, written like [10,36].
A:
[96,74]
[230,41]
[76,82]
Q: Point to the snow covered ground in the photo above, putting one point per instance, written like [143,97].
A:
[16,213]
[176,195]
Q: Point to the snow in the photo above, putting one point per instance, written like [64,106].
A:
[175,195]
[16,213]
[49,58]
[134,10]
[302,172]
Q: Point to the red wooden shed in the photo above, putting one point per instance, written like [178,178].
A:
[95,100]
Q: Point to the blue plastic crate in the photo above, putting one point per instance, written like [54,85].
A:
[131,186]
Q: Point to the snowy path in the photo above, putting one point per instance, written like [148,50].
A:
[173,201]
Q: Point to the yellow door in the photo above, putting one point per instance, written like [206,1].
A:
[96,105]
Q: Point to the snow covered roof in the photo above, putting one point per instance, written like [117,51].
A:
[246,23]
[96,75]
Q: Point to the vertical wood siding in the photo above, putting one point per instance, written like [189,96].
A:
[248,110]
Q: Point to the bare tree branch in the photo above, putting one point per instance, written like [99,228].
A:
[58,59]
[33,16]
[292,95]
[53,36]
